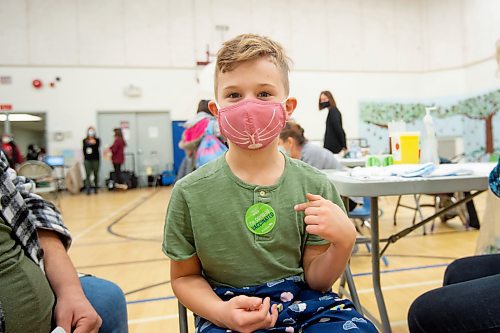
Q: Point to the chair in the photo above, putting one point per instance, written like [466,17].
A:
[440,201]
[41,174]
[362,212]
[346,277]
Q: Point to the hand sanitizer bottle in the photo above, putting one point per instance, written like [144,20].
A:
[429,151]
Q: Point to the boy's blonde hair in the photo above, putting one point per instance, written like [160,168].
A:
[249,47]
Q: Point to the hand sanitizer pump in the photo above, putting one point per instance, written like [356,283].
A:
[429,151]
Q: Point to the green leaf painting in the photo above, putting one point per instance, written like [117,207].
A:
[482,107]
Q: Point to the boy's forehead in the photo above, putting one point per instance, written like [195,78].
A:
[259,71]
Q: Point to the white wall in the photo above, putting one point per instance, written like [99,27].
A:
[359,49]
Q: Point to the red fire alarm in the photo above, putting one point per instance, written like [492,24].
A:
[37,83]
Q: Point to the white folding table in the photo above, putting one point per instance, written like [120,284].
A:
[350,186]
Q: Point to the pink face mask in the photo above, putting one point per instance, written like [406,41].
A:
[252,123]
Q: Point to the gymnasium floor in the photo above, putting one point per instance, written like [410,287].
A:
[117,236]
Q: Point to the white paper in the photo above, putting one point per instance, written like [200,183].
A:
[153,132]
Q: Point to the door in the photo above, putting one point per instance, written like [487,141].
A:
[148,137]
[154,144]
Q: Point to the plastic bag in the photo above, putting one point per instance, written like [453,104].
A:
[489,234]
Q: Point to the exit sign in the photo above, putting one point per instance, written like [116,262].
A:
[6,107]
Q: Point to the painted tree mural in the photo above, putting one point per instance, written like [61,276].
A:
[483,107]
[381,114]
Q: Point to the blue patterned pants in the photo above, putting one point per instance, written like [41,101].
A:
[300,309]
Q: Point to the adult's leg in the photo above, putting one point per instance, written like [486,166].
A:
[118,173]
[95,169]
[470,268]
[469,306]
[109,302]
[88,172]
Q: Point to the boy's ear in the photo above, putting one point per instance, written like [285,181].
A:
[213,108]
[290,105]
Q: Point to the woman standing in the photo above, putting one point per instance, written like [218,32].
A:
[334,133]
[91,145]
[118,157]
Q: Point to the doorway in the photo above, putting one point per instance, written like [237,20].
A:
[148,136]
[26,128]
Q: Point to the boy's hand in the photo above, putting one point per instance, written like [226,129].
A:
[248,314]
[327,220]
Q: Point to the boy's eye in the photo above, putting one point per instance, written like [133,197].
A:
[233,95]
[264,94]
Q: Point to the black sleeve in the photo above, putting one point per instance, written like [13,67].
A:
[336,124]
[341,131]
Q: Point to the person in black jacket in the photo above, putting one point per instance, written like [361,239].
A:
[92,156]
[334,133]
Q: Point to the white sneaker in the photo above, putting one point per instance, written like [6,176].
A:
[121,186]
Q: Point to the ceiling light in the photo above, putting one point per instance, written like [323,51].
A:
[20,117]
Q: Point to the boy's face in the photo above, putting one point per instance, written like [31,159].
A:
[253,79]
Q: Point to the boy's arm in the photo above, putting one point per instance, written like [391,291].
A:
[323,264]
[241,313]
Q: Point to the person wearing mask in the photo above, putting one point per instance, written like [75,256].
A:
[11,151]
[33,153]
[293,142]
[91,154]
[118,157]
[334,133]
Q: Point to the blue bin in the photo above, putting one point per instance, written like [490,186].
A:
[167,177]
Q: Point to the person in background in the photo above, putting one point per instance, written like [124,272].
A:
[334,133]
[118,157]
[293,142]
[33,153]
[195,131]
[92,156]
[11,151]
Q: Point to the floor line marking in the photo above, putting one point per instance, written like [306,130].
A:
[402,286]
[157,318]
[401,269]
[114,214]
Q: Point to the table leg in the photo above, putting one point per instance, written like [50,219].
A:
[384,318]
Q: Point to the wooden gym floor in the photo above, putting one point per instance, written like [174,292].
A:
[117,236]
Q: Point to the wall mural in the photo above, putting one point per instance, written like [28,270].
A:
[474,119]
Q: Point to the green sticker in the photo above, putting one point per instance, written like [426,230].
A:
[260,218]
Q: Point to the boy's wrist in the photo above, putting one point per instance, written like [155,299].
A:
[220,313]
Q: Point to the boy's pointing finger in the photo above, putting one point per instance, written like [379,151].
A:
[304,205]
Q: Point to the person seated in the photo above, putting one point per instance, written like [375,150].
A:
[469,298]
[293,142]
[40,288]
[264,248]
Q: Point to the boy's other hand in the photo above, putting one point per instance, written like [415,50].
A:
[327,220]
[248,314]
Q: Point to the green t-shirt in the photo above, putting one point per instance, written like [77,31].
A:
[206,217]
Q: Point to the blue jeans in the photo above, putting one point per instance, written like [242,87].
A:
[467,302]
[109,302]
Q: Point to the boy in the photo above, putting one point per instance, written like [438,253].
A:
[247,252]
